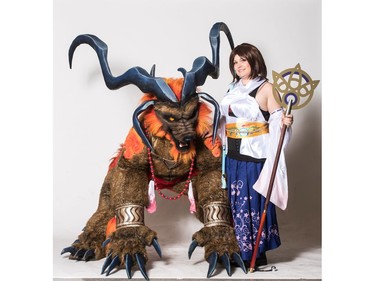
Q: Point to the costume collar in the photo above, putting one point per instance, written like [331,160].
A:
[238,87]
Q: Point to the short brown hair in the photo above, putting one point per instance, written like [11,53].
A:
[254,58]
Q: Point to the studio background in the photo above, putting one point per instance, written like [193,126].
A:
[90,121]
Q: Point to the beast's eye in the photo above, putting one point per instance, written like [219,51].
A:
[171,118]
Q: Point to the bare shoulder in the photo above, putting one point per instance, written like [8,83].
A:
[266,88]
[267,100]
[264,92]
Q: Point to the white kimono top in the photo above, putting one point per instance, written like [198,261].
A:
[246,109]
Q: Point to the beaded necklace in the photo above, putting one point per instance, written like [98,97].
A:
[188,181]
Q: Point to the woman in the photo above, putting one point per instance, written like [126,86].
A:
[252,121]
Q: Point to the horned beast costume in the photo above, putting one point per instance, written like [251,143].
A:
[172,144]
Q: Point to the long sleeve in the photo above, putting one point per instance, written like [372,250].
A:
[279,195]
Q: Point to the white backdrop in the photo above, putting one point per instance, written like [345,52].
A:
[90,121]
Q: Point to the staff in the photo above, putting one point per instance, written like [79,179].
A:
[270,186]
[293,95]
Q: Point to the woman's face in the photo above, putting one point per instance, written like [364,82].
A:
[241,67]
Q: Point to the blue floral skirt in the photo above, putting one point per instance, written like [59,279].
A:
[247,206]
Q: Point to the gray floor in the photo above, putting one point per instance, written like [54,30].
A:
[291,261]
[299,257]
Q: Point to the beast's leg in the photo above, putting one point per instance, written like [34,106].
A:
[88,246]
[127,244]
[217,236]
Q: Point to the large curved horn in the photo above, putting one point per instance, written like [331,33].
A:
[136,123]
[215,44]
[136,75]
[211,100]
[202,67]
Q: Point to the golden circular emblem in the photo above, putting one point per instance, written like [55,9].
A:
[295,85]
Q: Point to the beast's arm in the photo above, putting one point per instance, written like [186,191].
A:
[129,196]
[217,236]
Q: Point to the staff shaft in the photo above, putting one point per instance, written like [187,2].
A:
[269,191]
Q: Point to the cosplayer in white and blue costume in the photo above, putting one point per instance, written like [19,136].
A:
[248,166]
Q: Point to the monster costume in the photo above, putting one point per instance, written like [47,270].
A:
[173,144]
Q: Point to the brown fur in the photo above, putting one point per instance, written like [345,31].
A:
[129,173]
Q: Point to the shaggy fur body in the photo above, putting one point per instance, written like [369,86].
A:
[166,124]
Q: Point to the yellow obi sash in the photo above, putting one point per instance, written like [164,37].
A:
[243,129]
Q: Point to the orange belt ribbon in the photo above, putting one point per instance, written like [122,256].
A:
[242,129]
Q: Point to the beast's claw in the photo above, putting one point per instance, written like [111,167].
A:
[141,263]
[115,262]
[192,247]
[79,254]
[226,263]
[212,261]
[107,262]
[89,255]
[128,265]
[72,250]
[105,243]
[237,258]
[156,246]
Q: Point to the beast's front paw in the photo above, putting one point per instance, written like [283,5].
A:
[220,244]
[127,246]
[77,252]
[87,247]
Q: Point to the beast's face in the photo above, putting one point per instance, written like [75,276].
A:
[179,121]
